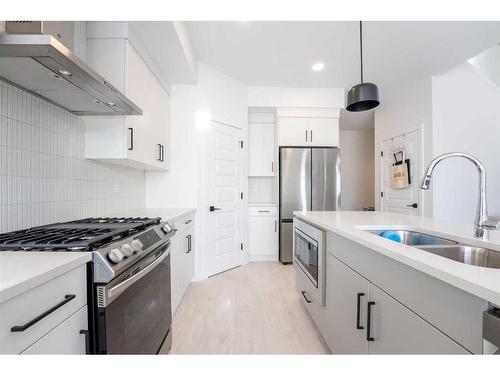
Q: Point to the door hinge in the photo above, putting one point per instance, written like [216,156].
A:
[382,194]
[382,153]
[241,144]
[241,246]
[241,195]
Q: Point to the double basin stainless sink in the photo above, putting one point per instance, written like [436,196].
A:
[459,252]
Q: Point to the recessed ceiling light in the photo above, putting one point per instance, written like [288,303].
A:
[65,73]
[111,104]
[318,67]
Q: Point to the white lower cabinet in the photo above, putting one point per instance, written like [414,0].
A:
[182,259]
[69,337]
[48,318]
[263,234]
[361,318]
[345,291]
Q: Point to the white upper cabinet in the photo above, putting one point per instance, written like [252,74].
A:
[293,131]
[261,149]
[136,141]
[308,127]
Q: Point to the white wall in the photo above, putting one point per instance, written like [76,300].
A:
[216,97]
[357,167]
[405,108]
[44,176]
[295,97]
[466,118]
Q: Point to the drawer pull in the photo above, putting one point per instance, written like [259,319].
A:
[187,221]
[264,211]
[305,297]
[67,298]
[369,322]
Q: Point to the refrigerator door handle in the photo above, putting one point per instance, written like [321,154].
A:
[287,220]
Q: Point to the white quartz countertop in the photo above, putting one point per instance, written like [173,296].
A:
[166,213]
[479,281]
[22,271]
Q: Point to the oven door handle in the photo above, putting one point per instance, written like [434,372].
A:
[118,289]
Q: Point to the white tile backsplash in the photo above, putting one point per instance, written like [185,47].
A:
[44,176]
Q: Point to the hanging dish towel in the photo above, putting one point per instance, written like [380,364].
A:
[398,174]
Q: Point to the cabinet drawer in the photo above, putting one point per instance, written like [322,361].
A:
[263,211]
[65,338]
[64,295]
[310,297]
[184,222]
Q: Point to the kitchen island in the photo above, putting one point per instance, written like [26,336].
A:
[375,295]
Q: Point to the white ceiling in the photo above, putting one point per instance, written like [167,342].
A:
[280,53]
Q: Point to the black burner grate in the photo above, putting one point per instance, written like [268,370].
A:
[80,235]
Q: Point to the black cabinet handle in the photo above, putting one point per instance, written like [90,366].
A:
[87,340]
[131,135]
[306,135]
[162,149]
[213,208]
[188,221]
[305,297]
[22,328]
[369,321]
[189,243]
[358,311]
[159,151]
[311,135]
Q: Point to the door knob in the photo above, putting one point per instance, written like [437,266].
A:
[413,205]
[213,208]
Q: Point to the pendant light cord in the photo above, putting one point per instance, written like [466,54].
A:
[361,47]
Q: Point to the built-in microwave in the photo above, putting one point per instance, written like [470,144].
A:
[309,258]
[306,255]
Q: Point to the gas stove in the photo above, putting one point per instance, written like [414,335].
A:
[116,243]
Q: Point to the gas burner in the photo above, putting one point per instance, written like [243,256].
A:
[79,235]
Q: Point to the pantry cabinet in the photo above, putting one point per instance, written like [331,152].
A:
[182,258]
[135,141]
[308,128]
[361,318]
[263,233]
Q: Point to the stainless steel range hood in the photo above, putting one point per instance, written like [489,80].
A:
[42,65]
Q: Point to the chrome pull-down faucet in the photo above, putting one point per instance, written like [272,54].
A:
[482,223]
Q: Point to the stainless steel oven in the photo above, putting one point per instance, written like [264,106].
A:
[133,310]
[306,255]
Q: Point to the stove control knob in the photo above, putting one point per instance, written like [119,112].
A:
[136,245]
[166,228]
[127,250]
[115,255]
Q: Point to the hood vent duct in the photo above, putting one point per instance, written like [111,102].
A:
[42,65]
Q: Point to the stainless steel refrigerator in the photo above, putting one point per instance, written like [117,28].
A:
[309,179]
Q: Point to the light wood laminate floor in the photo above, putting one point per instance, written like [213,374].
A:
[252,309]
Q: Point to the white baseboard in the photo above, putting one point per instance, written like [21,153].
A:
[262,258]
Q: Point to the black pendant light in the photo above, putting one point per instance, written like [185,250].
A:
[363,96]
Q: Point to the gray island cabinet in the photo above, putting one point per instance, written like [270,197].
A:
[377,305]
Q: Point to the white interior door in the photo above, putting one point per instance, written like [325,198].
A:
[403,201]
[225,215]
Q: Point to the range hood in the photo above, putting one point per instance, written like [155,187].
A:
[42,65]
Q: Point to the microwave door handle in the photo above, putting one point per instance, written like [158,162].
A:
[118,289]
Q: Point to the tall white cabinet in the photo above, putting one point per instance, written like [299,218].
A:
[136,141]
